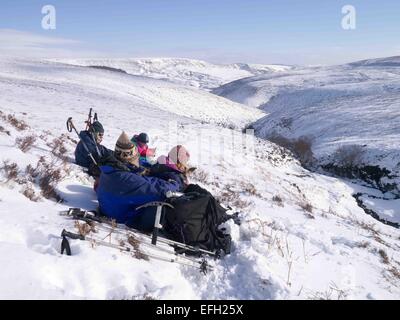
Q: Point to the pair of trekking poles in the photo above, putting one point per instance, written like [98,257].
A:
[70,127]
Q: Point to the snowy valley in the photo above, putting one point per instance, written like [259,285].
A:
[350,116]
[303,234]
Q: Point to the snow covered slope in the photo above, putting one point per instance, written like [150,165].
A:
[352,112]
[302,234]
[338,106]
[195,73]
[379,62]
[143,95]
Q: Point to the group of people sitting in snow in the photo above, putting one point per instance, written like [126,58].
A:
[129,176]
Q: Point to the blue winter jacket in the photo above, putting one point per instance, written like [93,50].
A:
[120,192]
[81,155]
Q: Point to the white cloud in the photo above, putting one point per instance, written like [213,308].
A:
[25,44]
[10,36]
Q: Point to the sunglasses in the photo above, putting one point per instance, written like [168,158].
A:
[129,154]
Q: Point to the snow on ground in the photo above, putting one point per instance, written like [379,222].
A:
[338,107]
[302,234]
[79,85]
[190,72]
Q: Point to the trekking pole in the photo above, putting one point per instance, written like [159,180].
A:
[70,127]
[87,216]
[89,120]
[129,236]
[203,266]
[129,231]
[144,241]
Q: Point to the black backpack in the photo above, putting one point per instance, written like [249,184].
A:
[195,219]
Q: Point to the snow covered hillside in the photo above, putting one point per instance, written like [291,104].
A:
[380,62]
[195,73]
[302,236]
[143,95]
[351,112]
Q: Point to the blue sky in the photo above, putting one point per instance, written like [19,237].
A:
[295,32]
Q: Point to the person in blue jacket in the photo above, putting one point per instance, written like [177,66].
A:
[92,138]
[123,186]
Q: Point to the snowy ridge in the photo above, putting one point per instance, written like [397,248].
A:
[302,234]
[380,62]
[190,72]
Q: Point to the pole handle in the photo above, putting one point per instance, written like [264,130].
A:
[69,124]
[154,237]
[70,127]
[71,235]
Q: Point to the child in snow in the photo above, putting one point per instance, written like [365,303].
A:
[177,160]
[146,154]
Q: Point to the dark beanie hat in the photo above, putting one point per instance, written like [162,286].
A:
[97,127]
[143,138]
